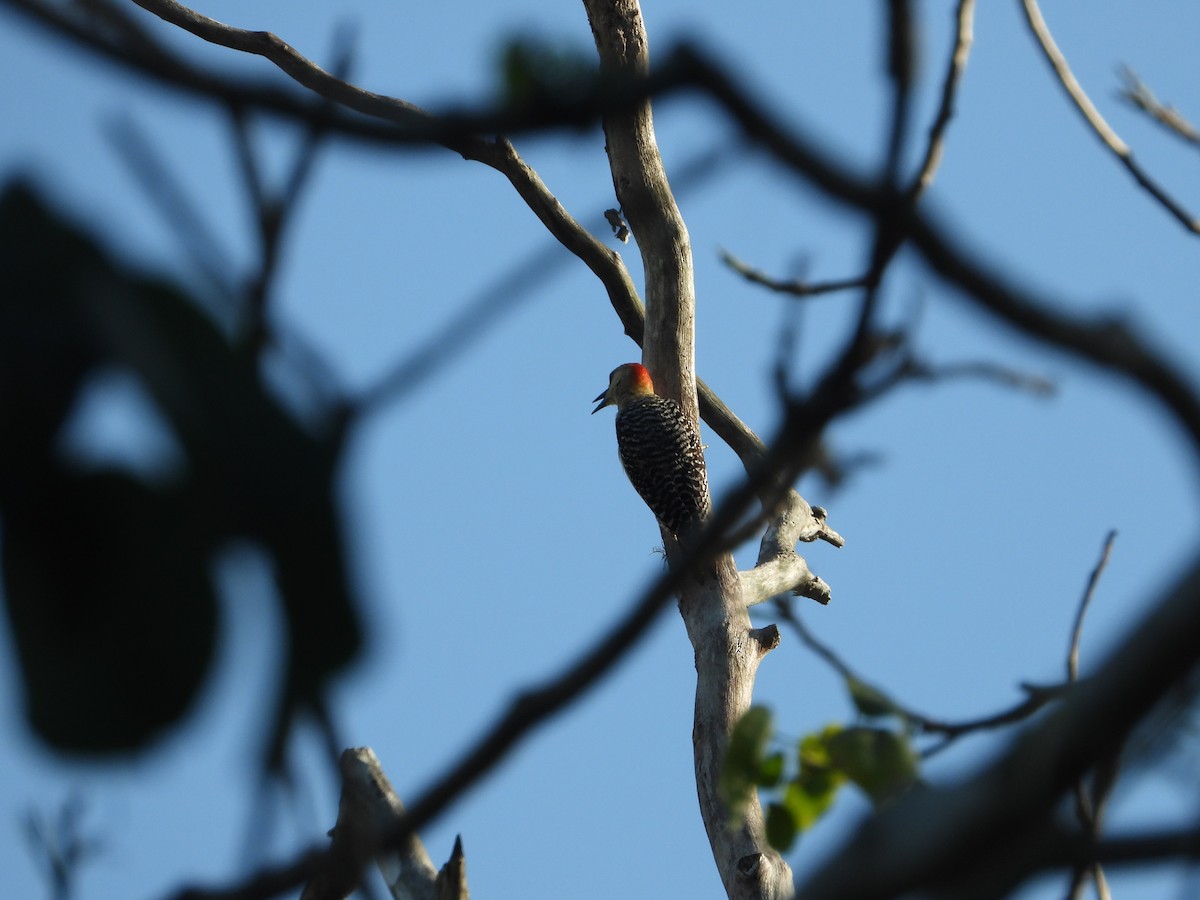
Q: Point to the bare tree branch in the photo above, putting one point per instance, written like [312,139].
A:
[1036,697]
[964,36]
[1084,604]
[170,198]
[888,234]
[1104,131]
[294,65]
[918,370]
[1139,95]
[711,601]
[795,287]
[926,834]
[1089,807]
[1103,341]
[368,808]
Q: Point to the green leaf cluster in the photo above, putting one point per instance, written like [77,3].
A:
[800,789]
[747,763]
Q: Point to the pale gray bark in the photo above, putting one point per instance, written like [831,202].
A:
[727,649]
[368,811]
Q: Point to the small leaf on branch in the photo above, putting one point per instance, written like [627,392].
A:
[880,762]
[743,768]
[539,72]
[781,827]
[812,792]
[870,700]
[770,771]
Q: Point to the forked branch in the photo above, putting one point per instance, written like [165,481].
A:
[1097,122]
[711,600]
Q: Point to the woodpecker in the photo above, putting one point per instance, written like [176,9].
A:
[660,449]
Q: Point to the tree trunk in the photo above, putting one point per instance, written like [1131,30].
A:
[727,648]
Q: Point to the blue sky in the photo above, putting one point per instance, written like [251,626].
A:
[493,531]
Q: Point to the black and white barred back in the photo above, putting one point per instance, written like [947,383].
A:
[661,451]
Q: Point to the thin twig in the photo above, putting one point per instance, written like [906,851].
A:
[1084,604]
[1104,131]
[1137,93]
[275,209]
[964,36]
[796,287]
[934,149]
[297,67]
[171,199]
[1088,807]
[918,370]
[1058,62]
[1036,697]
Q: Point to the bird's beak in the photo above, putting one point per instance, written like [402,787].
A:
[603,400]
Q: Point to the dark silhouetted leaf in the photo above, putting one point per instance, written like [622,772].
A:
[135,573]
[45,345]
[781,827]
[107,587]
